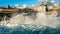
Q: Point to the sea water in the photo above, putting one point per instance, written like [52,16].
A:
[31,24]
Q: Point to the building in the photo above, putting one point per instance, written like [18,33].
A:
[8,12]
[42,8]
[39,8]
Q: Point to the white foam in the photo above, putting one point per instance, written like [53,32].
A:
[41,19]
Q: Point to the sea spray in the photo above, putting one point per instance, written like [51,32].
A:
[41,19]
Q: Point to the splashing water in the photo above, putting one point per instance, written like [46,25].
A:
[41,20]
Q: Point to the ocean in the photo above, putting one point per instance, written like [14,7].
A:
[29,30]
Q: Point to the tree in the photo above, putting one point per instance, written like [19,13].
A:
[43,3]
[27,10]
[9,6]
[46,8]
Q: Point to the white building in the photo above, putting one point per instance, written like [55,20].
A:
[39,8]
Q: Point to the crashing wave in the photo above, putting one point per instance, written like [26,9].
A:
[41,20]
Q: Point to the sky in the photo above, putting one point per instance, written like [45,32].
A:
[20,2]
